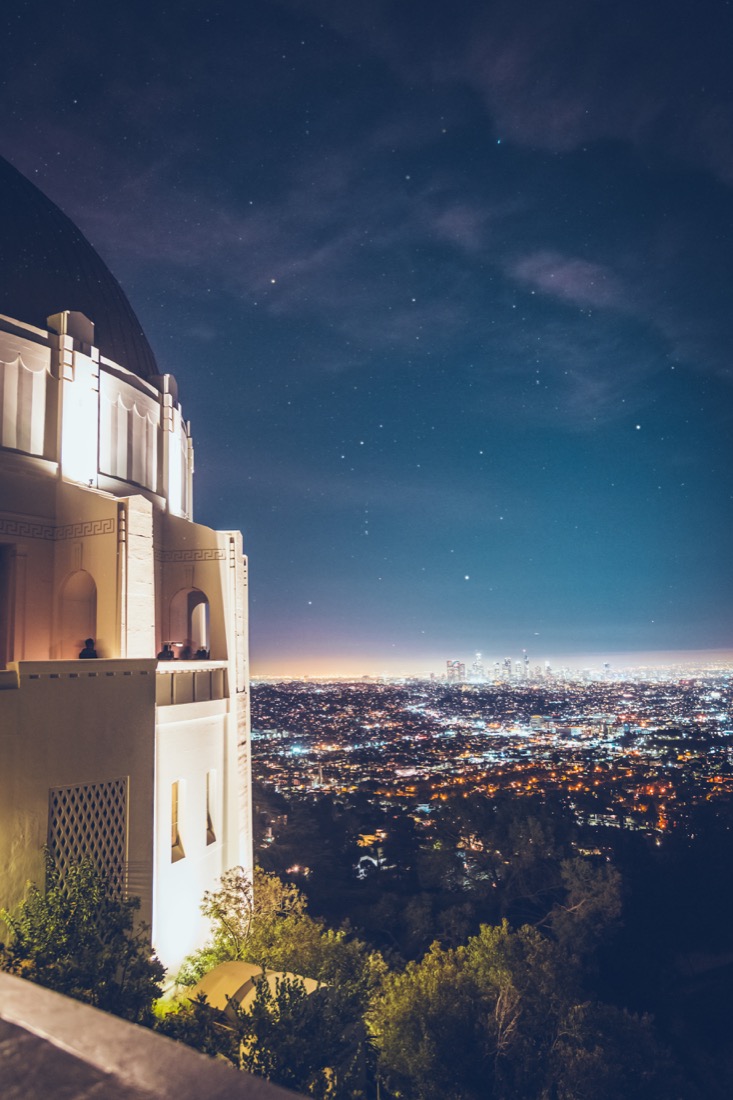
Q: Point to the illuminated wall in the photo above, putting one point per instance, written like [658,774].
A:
[64,724]
[97,540]
[128,436]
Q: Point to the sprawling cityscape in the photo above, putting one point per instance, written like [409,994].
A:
[636,752]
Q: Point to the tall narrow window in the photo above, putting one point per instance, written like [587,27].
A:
[177,851]
[7,603]
[210,806]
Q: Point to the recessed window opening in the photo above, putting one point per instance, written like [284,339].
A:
[210,807]
[177,851]
[189,623]
[7,603]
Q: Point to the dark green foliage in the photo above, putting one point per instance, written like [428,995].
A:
[589,908]
[313,1043]
[252,918]
[427,1030]
[194,1024]
[475,1021]
[499,1019]
[262,920]
[79,938]
[631,938]
[604,1053]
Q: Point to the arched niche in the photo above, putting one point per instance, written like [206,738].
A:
[189,620]
[78,613]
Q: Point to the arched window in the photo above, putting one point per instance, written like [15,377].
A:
[189,621]
[78,613]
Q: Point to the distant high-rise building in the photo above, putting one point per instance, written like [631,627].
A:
[455,672]
[477,669]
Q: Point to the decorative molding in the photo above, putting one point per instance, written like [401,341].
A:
[26,528]
[89,821]
[106,526]
[203,554]
[19,361]
[31,529]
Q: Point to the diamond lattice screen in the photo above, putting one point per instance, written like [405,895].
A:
[90,822]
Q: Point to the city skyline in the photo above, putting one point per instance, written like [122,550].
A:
[671,662]
[446,292]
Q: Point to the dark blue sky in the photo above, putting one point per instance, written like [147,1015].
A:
[447,290]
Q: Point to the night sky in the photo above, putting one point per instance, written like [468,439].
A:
[447,289]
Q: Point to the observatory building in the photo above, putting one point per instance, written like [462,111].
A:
[106,751]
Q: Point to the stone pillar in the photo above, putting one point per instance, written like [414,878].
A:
[138,613]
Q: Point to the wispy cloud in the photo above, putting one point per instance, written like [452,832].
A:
[553,77]
[569,278]
[383,492]
[573,374]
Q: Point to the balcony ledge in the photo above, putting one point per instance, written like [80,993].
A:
[53,1046]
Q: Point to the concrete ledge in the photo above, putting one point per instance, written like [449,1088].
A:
[51,1046]
[82,670]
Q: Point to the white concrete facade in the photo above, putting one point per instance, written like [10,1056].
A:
[138,762]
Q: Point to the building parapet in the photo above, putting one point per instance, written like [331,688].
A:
[190,682]
[26,671]
[175,683]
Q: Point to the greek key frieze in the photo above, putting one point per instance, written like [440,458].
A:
[26,529]
[82,530]
[202,554]
[30,529]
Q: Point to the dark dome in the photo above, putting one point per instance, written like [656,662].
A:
[48,266]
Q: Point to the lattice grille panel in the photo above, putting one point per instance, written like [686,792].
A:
[90,822]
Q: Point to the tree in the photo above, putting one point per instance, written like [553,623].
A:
[428,1030]
[316,1043]
[603,1052]
[500,1019]
[590,908]
[262,920]
[245,913]
[308,1042]
[524,986]
[79,937]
